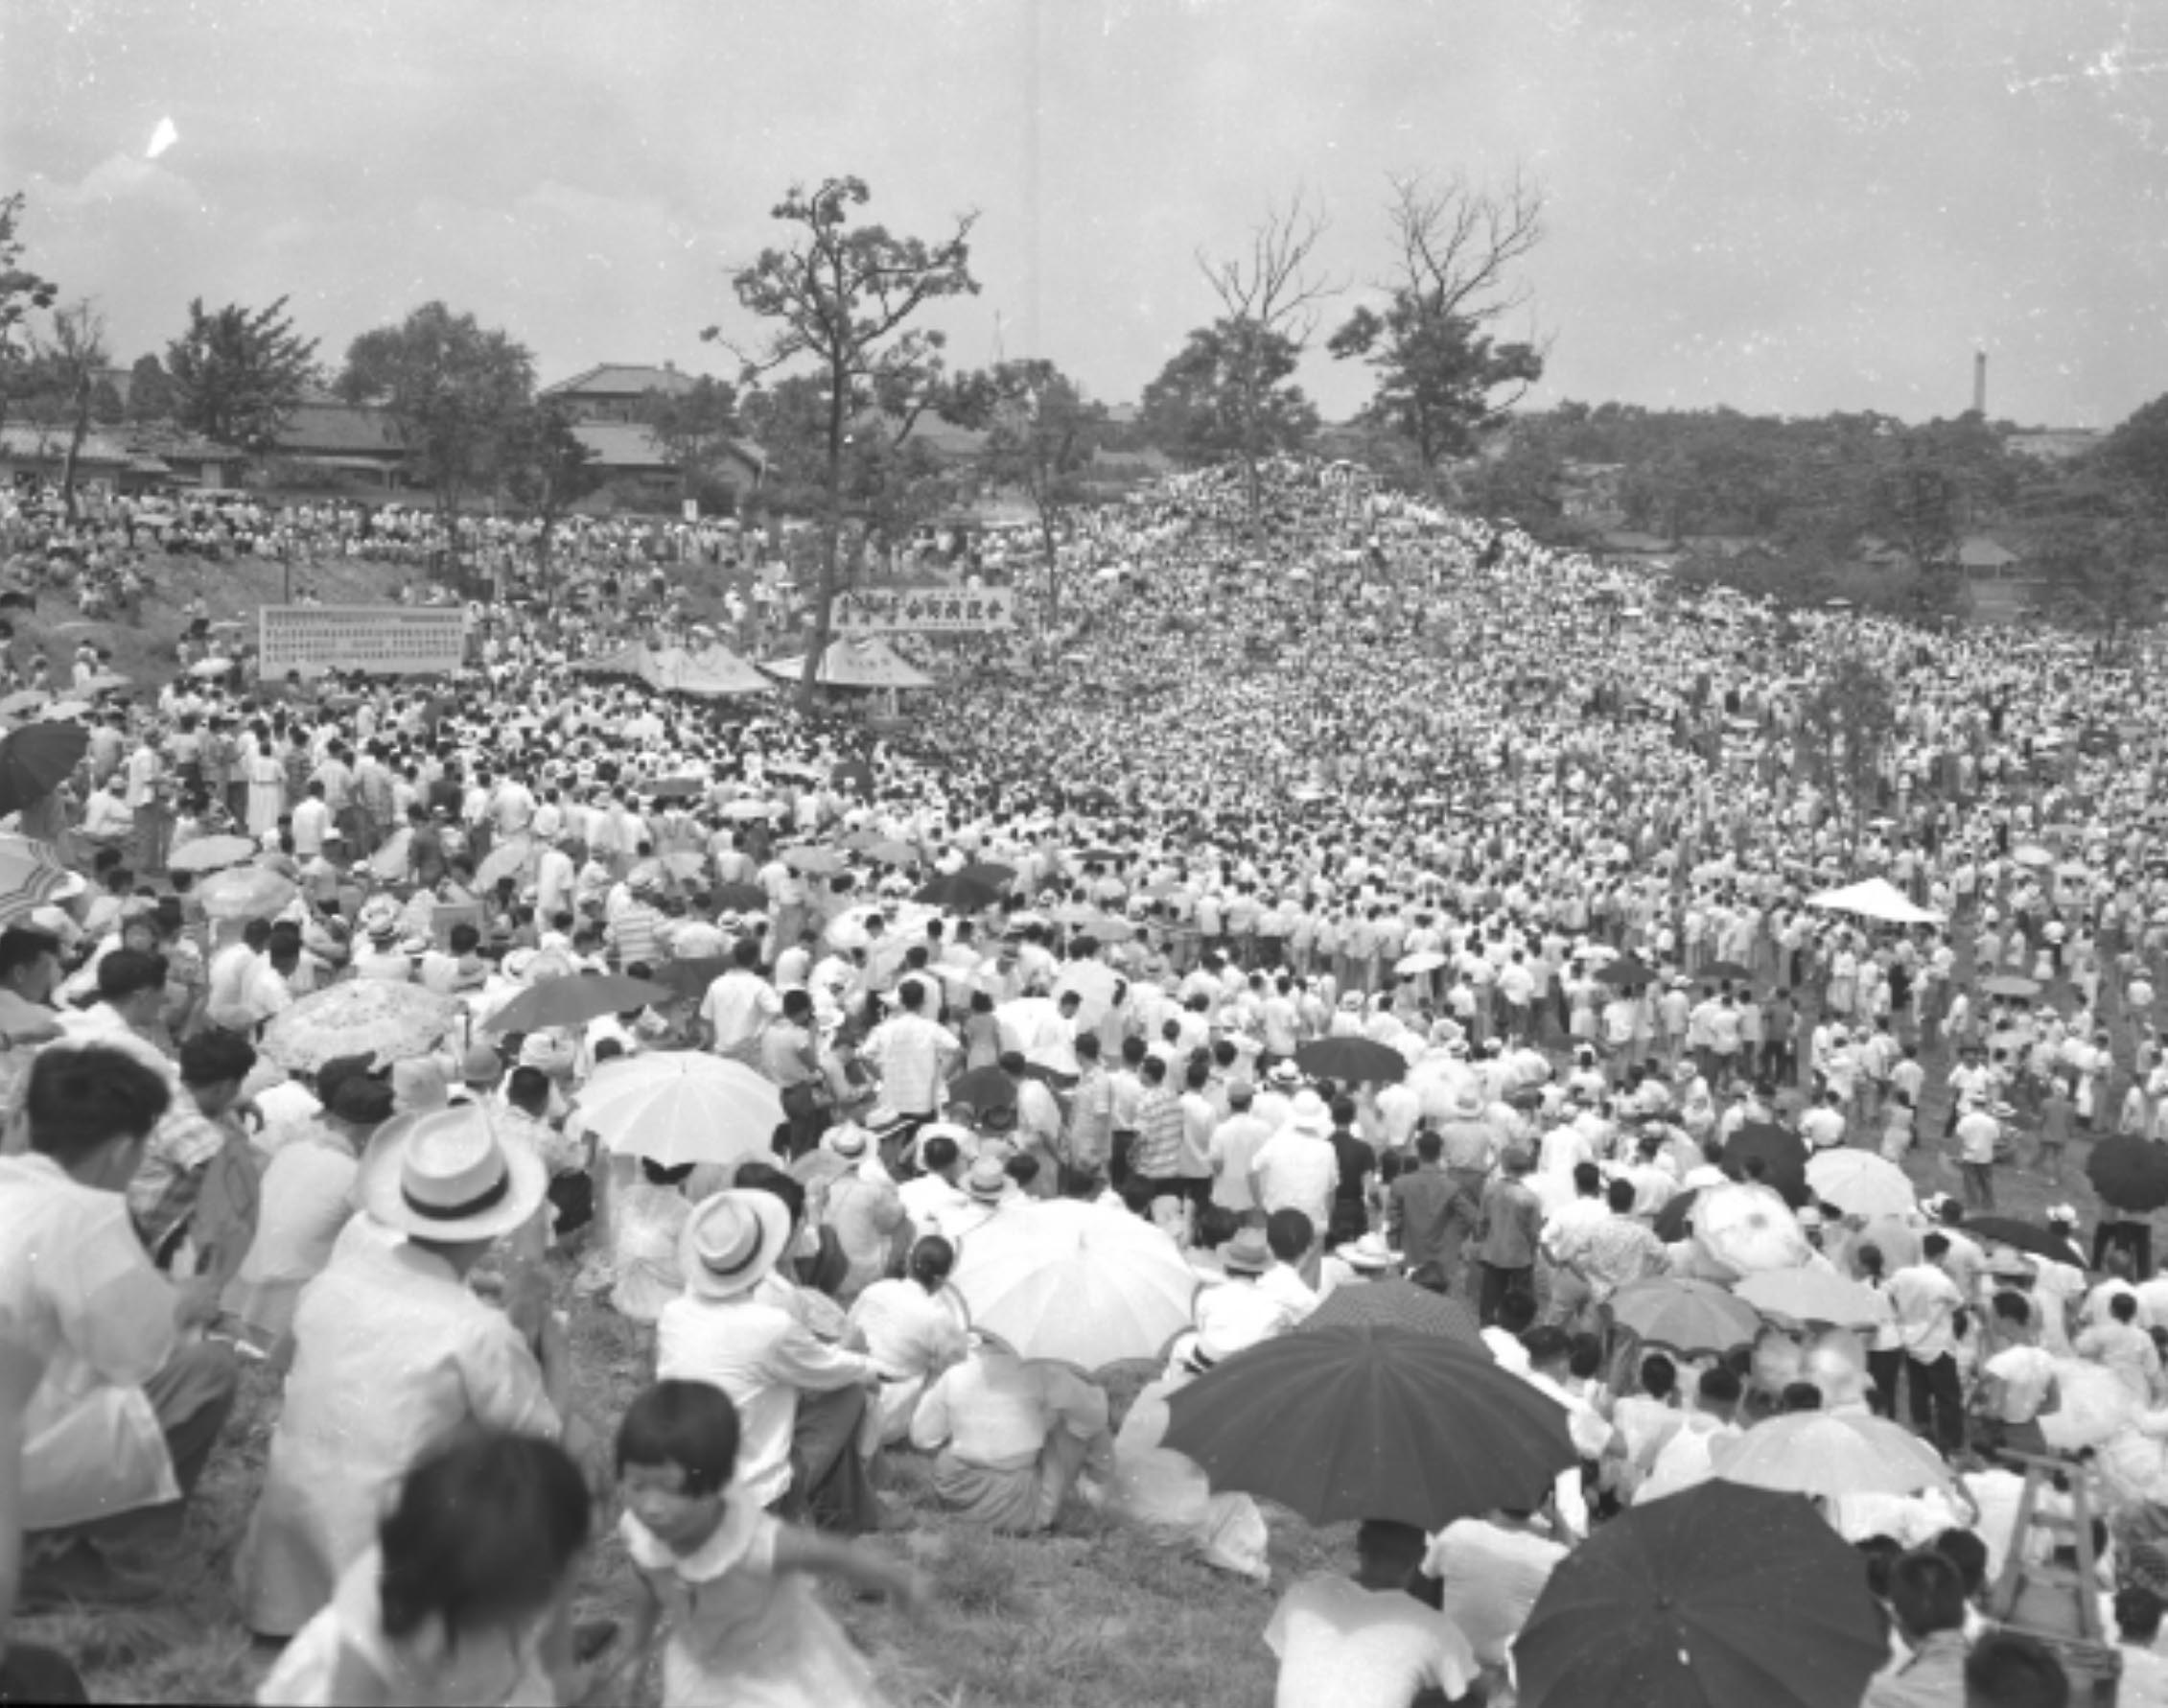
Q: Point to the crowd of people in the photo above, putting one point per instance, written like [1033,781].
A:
[1551,835]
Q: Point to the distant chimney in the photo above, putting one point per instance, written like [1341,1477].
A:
[672,367]
[1980,384]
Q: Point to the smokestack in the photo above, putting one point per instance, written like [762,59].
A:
[1980,384]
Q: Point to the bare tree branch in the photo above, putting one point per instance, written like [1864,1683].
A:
[1273,285]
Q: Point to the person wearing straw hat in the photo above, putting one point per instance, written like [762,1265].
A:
[392,1352]
[723,1330]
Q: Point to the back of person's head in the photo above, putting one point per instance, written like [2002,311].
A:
[128,973]
[2013,1307]
[2009,1670]
[1869,1259]
[481,1534]
[938,1153]
[1289,1233]
[21,947]
[1928,1593]
[659,1176]
[1799,1396]
[767,1176]
[1588,1178]
[692,1425]
[1964,1549]
[1343,1111]
[1658,1376]
[2137,1614]
[80,1099]
[1619,1196]
[1429,1145]
[214,1058]
[1880,1553]
[2124,1307]
[932,1260]
[1586,1357]
[527,1090]
[1935,1245]
[1720,1387]
[1216,1224]
[746,953]
[1517,1311]
[1547,1345]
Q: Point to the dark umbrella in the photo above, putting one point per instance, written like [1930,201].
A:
[1626,970]
[1674,1220]
[676,788]
[573,1002]
[1367,1422]
[2130,1173]
[691,978]
[1781,1155]
[2019,1236]
[1719,1594]
[737,898]
[985,1089]
[960,892]
[1351,1059]
[1718,971]
[992,873]
[34,758]
[1397,1304]
[855,775]
[1099,853]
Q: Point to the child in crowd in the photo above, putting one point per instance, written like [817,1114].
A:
[731,1580]
[466,1598]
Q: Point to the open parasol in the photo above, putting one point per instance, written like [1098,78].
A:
[1355,1059]
[1829,1453]
[1812,1296]
[1078,1283]
[1694,1318]
[1718,1595]
[814,862]
[1781,1155]
[34,758]
[575,1001]
[1861,1184]
[375,1017]
[2130,1173]
[1990,1231]
[510,859]
[212,853]
[1875,899]
[1094,983]
[1749,1228]
[1367,1422]
[31,875]
[1396,1303]
[960,893]
[245,893]
[2011,984]
[681,1106]
[739,897]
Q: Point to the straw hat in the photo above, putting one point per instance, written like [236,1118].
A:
[1247,1253]
[847,1141]
[986,1181]
[442,1175]
[1468,1104]
[1309,1115]
[730,1240]
[1370,1251]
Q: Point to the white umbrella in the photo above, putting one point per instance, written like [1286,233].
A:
[1424,960]
[1827,1453]
[1861,1183]
[1026,1023]
[1748,1227]
[1093,982]
[681,1106]
[1079,1283]
[1875,899]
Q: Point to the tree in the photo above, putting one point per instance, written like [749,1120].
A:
[22,293]
[840,296]
[2137,450]
[1040,436]
[456,391]
[1847,726]
[547,469]
[66,366]
[696,426]
[2106,576]
[1229,393]
[106,406]
[1269,312]
[239,373]
[1439,371]
[149,390]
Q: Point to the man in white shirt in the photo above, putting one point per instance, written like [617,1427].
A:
[1298,1167]
[739,1006]
[1233,1150]
[1366,1639]
[1492,1568]
[1687,1458]
[912,1053]
[1925,1300]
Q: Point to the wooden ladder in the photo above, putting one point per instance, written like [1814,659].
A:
[2059,1604]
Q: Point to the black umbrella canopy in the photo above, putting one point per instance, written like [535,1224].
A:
[1781,1154]
[1357,1059]
[2130,1173]
[1626,970]
[34,758]
[2019,1236]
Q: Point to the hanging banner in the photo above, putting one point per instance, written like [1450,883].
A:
[923,610]
[382,639]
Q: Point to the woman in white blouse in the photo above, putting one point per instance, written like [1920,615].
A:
[912,1329]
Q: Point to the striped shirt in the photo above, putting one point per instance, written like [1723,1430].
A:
[1157,1154]
[638,934]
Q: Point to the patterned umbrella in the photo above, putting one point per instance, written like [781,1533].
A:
[245,893]
[31,875]
[212,853]
[1397,1303]
[375,1017]
[1826,1453]
[1749,1228]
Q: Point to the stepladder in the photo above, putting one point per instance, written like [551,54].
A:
[2058,1599]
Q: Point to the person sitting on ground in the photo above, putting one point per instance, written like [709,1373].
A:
[1011,1437]
[1927,1595]
[912,1329]
[124,1420]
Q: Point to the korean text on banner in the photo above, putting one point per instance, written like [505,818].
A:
[381,640]
[924,610]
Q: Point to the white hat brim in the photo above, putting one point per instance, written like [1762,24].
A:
[379,1191]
